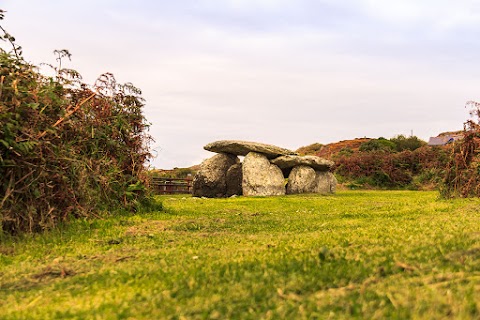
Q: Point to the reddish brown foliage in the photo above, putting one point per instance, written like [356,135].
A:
[383,169]
[330,150]
[66,149]
[463,172]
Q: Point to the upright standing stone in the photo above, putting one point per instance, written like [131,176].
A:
[260,177]
[210,180]
[234,180]
[301,180]
[333,183]
[325,182]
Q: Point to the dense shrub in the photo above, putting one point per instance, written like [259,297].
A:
[462,177]
[310,149]
[398,143]
[66,149]
[392,170]
[407,143]
[380,144]
[400,162]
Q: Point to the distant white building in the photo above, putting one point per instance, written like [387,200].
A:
[444,139]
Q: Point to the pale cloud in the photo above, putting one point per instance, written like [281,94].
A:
[439,14]
[250,5]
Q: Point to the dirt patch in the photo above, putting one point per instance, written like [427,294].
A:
[200,225]
[462,255]
[147,228]
[56,271]
[6,251]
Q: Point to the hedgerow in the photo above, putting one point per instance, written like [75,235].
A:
[407,169]
[67,149]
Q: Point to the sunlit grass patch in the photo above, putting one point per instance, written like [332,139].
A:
[369,254]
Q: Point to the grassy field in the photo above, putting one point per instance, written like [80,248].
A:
[367,255]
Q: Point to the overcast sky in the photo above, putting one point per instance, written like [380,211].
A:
[285,72]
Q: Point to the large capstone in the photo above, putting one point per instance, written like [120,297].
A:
[301,180]
[260,177]
[325,182]
[290,161]
[234,180]
[210,180]
[242,148]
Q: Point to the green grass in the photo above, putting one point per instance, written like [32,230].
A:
[367,255]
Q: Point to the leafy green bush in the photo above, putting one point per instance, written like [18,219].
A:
[407,143]
[66,149]
[380,144]
[345,152]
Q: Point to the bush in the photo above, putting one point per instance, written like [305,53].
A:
[66,149]
[411,143]
[345,152]
[310,149]
[380,144]
[462,177]
[391,170]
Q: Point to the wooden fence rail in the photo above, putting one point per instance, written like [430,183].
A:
[171,185]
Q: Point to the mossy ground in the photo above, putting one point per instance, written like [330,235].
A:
[369,255]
